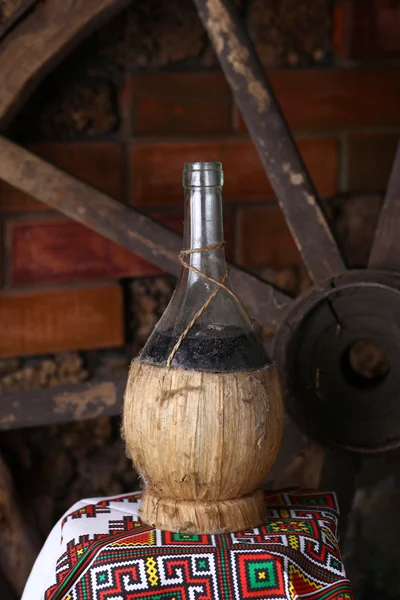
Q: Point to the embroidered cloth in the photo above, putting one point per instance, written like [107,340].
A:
[109,554]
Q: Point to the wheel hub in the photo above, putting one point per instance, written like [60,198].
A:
[338,353]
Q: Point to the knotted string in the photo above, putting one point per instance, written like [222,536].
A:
[219,283]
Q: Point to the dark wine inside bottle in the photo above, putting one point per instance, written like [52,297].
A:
[207,348]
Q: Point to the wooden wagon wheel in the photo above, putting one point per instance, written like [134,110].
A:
[314,332]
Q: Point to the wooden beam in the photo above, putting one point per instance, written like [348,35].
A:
[40,41]
[339,474]
[62,404]
[125,226]
[278,153]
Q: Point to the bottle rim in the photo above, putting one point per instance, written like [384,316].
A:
[202,174]
[202,166]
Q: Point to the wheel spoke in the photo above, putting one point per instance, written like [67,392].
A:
[125,226]
[385,253]
[289,469]
[339,474]
[39,34]
[306,464]
[287,173]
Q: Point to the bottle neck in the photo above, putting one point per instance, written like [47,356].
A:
[203,229]
[200,330]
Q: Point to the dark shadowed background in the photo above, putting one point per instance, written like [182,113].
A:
[123,112]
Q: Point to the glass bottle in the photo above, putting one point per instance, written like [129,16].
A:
[204,433]
[207,326]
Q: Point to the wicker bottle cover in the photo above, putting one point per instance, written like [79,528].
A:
[203,414]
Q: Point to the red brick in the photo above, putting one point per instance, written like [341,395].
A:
[332,99]
[61,320]
[365,30]
[264,238]
[101,164]
[13,200]
[180,103]
[157,169]
[175,221]
[370,158]
[58,251]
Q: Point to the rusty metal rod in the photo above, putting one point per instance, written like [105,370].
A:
[287,173]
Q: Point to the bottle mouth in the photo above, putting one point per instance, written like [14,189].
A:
[202,174]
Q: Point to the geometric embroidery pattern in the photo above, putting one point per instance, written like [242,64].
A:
[111,555]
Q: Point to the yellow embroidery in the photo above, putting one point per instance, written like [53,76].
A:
[295,572]
[152,571]
[261,575]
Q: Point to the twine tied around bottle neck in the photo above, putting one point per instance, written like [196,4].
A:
[183,257]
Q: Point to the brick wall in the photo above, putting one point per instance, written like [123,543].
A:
[145,94]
